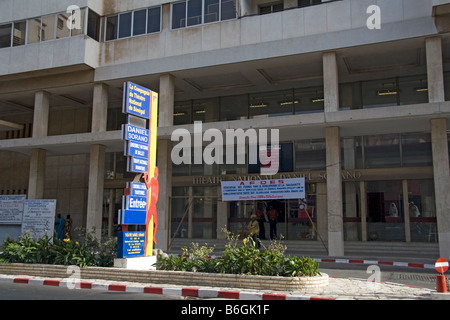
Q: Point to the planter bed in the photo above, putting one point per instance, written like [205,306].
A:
[171,277]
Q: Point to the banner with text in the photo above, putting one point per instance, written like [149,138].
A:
[263,189]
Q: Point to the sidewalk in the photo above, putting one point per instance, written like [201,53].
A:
[338,289]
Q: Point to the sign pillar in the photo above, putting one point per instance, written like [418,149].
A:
[140,136]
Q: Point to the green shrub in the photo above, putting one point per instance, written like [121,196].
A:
[241,259]
[87,252]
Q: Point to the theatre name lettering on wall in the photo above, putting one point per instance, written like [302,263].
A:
[316,176]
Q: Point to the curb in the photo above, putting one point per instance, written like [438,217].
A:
[171,291]
[377,262]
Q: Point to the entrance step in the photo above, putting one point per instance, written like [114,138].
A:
[375,249]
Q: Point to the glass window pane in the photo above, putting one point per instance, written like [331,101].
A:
[413,90]
[234,108]
[93,30]
[228,9]
[379,93]
[125,25]
[382,151]
[271,104]
[310,155]
[182,113]
[309,100]
[62,29]
[139,22]
[385,210]
[416,150]
[179,15]
[211,10]
[194,12]
[5,35]
[78,23]
[48,28]
[206,110]
[111,28]
[34,30]
[19,31]
[154,20]
[422,211]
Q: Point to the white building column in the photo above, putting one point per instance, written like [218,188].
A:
[97,162]
[439,142]
[330,82]
[334,193]
[38,156]
[435,70]
[166,96]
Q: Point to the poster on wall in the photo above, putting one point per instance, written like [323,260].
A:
[263,189]
[39,218]
[11,209]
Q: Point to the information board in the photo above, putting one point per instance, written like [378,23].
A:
[130,244]
[39,218]
[263,189]
[11,209]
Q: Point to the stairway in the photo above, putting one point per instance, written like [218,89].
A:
[396,251]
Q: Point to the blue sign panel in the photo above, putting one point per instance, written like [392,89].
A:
[135,149]
[132,217]
[135,134]
[130,244]
[137,189]
[137,100]
[134,203]
[135,164]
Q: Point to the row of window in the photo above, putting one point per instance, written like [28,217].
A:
[50,27]
[133,23]
[128,24]
[357,95]
[368,152]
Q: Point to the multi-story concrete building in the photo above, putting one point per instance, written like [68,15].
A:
[359,93]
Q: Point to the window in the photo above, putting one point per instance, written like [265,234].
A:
[139,22]
[93,27]
[5,35]
[228,8]
[62,28]
[19,33]
[269,8]
[111,28]
[179,15]
[269,104]
[125,25]
[382,151]
[34,30]
[212,10]
[196,12]
[133,23]
[154,20]
[307,3]
[48,28]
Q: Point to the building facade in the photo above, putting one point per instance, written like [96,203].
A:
[358,89]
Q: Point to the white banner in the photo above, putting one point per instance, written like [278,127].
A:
[263,189]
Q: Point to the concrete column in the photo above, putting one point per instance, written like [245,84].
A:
[164,164]
[436,91]
[334,193]
[100,107]
[95,190]
[97,162]
[41,111]
[441,170]
[330,82]
[38,156]
[322,211]
[166,97]
[37,174]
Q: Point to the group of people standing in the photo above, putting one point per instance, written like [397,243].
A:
[256,228]
[63,227]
